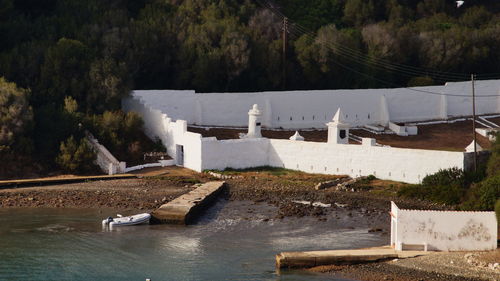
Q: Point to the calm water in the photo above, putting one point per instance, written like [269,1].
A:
[69,244]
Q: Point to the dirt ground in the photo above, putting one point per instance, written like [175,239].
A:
[278,187]
[451,137]
[454,266]
[146,193]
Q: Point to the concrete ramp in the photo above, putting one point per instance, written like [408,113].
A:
[184,209]
[317,258]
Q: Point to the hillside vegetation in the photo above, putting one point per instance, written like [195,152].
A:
[67,63]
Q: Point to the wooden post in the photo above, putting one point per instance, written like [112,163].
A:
[474,122]
[285,43]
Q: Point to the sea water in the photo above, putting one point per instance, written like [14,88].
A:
[227,243]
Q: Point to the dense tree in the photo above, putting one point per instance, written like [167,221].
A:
[65,72]
[359,12]
[76,157]
[79,58]
[15,113]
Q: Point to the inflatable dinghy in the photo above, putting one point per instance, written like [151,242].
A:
[125,221]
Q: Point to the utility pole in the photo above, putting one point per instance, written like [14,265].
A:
[285,43]
[474,122]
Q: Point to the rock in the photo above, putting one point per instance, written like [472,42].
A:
[327,184]
[494,266]
[348,184]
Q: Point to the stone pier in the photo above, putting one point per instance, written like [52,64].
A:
[184,209]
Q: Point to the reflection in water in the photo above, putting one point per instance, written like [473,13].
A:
[52,244]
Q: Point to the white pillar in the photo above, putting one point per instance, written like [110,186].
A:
[384,111]
[338,129]
[443,107]
[254,126]
[268,114]
[198,113]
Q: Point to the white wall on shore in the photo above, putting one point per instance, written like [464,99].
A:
[237,154]
[105,160]
[312,109]
[444,230]
[158,125]
[399,164]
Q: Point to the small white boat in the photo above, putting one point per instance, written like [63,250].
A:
[125,221]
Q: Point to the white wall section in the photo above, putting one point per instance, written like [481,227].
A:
[312,109]
[305,109]
[443,230]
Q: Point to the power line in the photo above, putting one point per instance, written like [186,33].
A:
[354,56]
[362,58]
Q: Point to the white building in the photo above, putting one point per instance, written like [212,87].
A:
[443,230]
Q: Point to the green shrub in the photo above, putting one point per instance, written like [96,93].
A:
[446,186]
[413,191]
[493,167]
[445,194]
[76,157]
[482,196]
[446,177]
[489,193]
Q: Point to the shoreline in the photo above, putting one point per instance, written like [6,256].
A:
[359,206]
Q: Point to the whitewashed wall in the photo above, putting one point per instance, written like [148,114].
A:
[105,160]
[406,165]
[312,109]
[444,230]
[399,164]
[158,125]
[238,154]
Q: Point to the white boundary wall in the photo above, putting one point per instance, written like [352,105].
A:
[198,153]
[399,164]
[443,230]
[105,160]
[312,109]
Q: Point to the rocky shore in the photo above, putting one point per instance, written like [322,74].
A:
[329,199]
[453,266]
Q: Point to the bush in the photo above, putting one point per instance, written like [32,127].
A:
[493,167]
[446,186]
[76,157]
[452,176]
[482,196]
[445,194]
[16,116]
[489,193]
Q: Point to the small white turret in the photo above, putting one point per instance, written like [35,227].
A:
[470,147]
[297,137]
[338,129]
[254,126]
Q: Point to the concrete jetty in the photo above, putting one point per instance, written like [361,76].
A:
[185,208]
[317,258]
